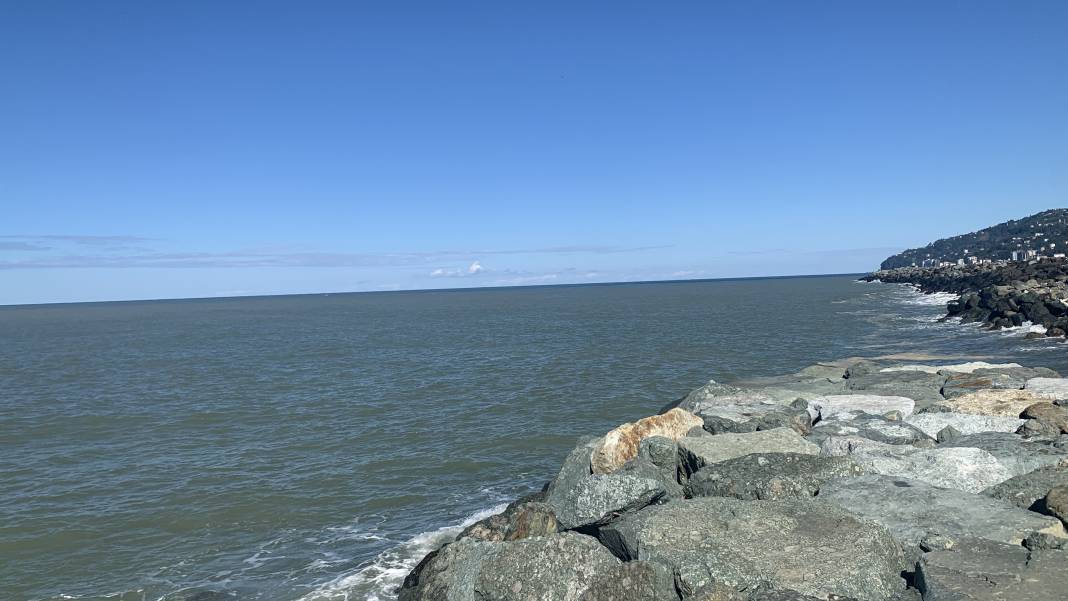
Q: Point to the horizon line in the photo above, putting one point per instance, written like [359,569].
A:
[427,290]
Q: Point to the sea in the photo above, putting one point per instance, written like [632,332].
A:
[315,447]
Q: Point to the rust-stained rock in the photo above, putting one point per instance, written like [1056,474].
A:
[1006,403]
[621,444]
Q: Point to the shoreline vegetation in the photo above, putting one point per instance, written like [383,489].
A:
[1000,295]
[880,479]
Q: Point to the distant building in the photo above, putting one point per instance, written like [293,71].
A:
[1023,255]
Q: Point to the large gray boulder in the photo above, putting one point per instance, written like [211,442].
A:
[916,385]
[715,394]
[522,518]
[1056,503]
[913,510]
[1017,454]
[967,469]
[1044,419]
[697,452]
[633,581]
[575,468]
[933,423]
[657,459]
[559,567]
[872,427]
[830,405]
[982,570]
[796,544]
[958,384]
[751,418]
[769,476]
[599,498]
[1054,388]
[1025,490]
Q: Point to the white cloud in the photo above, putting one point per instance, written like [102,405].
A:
[474,268]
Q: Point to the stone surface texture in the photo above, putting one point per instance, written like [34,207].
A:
[621,444]
[797,545]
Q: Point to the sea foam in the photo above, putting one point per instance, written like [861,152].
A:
[379,579]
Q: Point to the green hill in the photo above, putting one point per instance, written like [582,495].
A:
[1046,233]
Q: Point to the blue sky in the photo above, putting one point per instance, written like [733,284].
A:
[153,150]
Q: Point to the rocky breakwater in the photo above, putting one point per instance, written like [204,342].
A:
[1002,295]
[855,480]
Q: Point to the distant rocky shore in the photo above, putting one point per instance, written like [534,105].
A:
[1001,295]
[867,480]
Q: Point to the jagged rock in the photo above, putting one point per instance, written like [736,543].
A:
[860,368]
[859,447]
[798,545]
[861,403]
[913,510]
[715,394]
[982,570]
[751,418]
[1052,418]
[872,427]
[1053,388]
[657,458]
[716,591]
[695,453]
[1036,428]
[602,497]
[576,467]
[933,423]
[947,434]
[1005,403]
[621,444]
[1039,541]
[769,476]
[961,384]
[661,451]
[523,518]
[633,581]
[1002,377]
[1025,490]
[966,469]
[1019,455]
[916,385]
[1056,503]
[559,567]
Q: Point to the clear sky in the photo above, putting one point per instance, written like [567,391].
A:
[178,149]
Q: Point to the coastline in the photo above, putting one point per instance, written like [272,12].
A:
[915,469]
[999,295]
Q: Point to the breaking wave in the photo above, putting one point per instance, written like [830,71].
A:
[379,579]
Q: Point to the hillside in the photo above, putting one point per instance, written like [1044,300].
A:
[1046,233]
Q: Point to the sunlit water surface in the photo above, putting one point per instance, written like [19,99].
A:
[315,447]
